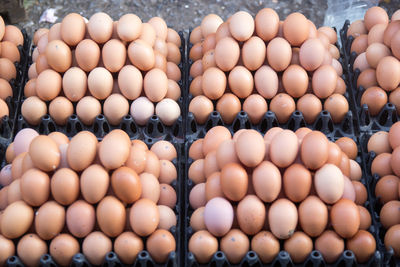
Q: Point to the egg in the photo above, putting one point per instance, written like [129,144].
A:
[388,214]
[72,29]
[297,182]
[150,187]
[365,240]
[196,171]
[329,183]
[375,15]
[7,69]
[381,165]
[311,54]
[218,216]
[48,85]
[95,247]
[196,34]
[299,246]
[152,164]
[65,186]
[255,106]
[62,248]
[386,188]
[16,219]
[203,245]
[129,27]
[279,54]
[7,248]
[159,26]
[266,82]
[114,149]
[127,246]
[330,244]
[167,217]
[385,80]
[283,106]
[265,245]
[234,181]
[111,216]
[168,111]
[160,244]
[283,148]
[87,109]
[80,218]
[35,187]
[295,81]
[167,196]
[81,150]
[267,24]
[365,218]
[14,192]
[251,214]
[197,220]
[9,50]
[241,26]
[141,110]
[345,218]
[310,106]
[60,109]
[209,25]
[23,140]
[100,83]
[337,106]
[313,216]
[141,55]
[253,53]
[235,245]
[375,98]
[391,239]
[282,225]
[49,220]
[30,248]
[144,217]
[87,54]
[173,37]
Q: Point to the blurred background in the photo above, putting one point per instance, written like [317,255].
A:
[183,14]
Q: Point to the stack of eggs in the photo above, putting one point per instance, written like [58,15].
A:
[113,195]
[298,187]
[377,43]
[242,63]
[387,166]
[104,66]
[10,38]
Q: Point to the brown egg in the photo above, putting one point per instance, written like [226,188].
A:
[227,53]
[79,158]
[283,106]
[296,28]
[310,106]
[394,99]
[164,150]
[62,248]
[297,182]
[7,69]
[363,245]
[42,43]
[114,149]
[286,141]
[367,78]
[324,81]
[167,217]
[13,34]
[331,246]
[35,187]
[203,245]
[168,172]
[141,55]
[314,150]
[137,159]
[214,137]
[144,217]
[267,23]
[253,53]
[150,187]
[48,84]
[386,188]
[359,44]
[60,109]
[155,85]
[196,171]
[33,109]
[126,184]
[30,248]
[7,248]
[255,106]
[337,106]
[100,83]
[160,244]
[100,27]
[385,80]
[115,107]
[196,35]
[361,62]
[111,216]
[250,148]
[209,25]
[273,183]
[16,219]
[348,146]
[167,196]
[265,245]
[251,214]
[58,55]
[365,218]
[41,64]
[311,54]
[80,218]
[282,225]
[241,26]
[210,163]
[127,246]
[389,215]
[379,143]
[234,189]
[356,28]
[197,196]
[375,98]
[197,220]
[196,149]
[9,50]
[240,82]
[266,82]
[361,192]
[95,247]
[376,33]
[235,244]
[113,55]
[196,52]
[299,246]
[375,15]
[38,33]
[279,54]
[65,186]
[49,220]
[391,239]
[94,183]
[295,81]
[393,132]
[345,218]
[6,89]
[152,164]
[313,216]
[381,165]
[87,109]
[87,54]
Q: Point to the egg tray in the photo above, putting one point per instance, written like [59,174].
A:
[283,258]
[154,128]
[7,123]
[365,122]
[388,255]
[143,259]
[323,123]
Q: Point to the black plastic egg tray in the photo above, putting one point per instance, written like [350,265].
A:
[153,129]
[283,258]
[143,259]
[365,122]
[388,256]
[7,123]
